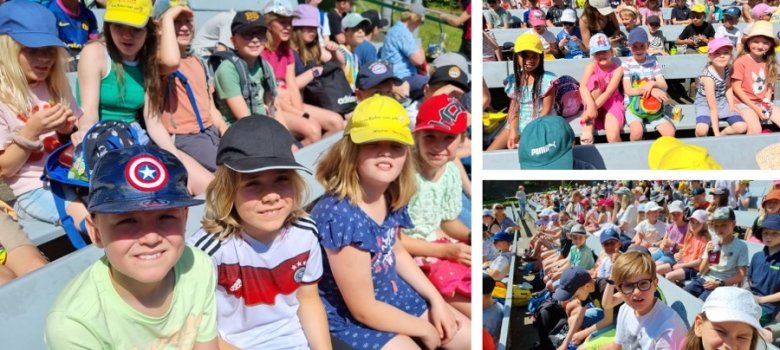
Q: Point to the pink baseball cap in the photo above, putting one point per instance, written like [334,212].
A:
[718,43]
[762,9]
[536,18]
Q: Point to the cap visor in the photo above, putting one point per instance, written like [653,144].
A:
[562,295]
[725,315]
[564,162]
[258,164]
[606,10]
[138,205]
[366,136]
[129,19]
[35,40]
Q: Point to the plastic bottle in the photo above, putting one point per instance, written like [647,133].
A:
[714,256]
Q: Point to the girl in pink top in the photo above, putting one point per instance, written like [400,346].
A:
[689,256]
[600,94]
[299,117]
[754,78]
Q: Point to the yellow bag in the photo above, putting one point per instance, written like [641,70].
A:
[491,121]
[520,297]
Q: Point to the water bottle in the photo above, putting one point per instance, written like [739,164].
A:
[714,255]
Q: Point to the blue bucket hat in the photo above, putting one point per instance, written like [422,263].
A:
[30,24]
[138,178]
[502,236]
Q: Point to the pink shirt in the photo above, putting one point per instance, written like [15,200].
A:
[28,177]
[279,61]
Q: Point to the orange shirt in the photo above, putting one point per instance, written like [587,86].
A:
[178,115]
[693,248]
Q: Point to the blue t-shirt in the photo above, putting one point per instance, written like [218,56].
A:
[366,53]
[75,29]
[574,49]
[764,277]
[399,45]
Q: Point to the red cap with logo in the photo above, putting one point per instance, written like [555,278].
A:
[442,113]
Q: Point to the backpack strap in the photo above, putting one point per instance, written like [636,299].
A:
[66,220]
[248,88]
[190,95]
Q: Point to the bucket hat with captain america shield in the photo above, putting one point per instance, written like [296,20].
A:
[138,178]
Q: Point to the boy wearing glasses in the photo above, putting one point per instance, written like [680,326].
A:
[570,38]
[730,266]
[644,322]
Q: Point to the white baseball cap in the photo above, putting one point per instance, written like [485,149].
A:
[652,206]
[676,207]
[733,304]
[602,5]
[568,15]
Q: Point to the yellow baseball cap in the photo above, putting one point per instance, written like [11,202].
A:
[529,42]
[134,13]
[700,8]
[379,118]
[669,153]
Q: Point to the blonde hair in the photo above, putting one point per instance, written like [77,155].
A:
[693,341]
[309,52]
[632,264]
[408,16]
[270,43]
[221,218]
[769,57]
[626,200]
[15,90]
[337,172]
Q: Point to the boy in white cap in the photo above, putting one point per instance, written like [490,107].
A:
[570,38]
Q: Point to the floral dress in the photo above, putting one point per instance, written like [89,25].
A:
[341,223]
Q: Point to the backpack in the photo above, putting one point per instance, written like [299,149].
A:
[249,88]
[330,90]
[69,166]
[546,319]
[568,102]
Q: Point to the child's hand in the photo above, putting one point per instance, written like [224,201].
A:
[431,338]
[579,337]
[442,318]
[514,139]
[331,46]
[45,119]
[175,11]
[458,252]
[647,88]
[708,247]
[710,285]
[659,94]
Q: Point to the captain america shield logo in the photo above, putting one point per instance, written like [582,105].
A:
[146,173]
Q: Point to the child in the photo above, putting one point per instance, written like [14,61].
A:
[555,13]
[729,319]
[770,205]
[374,293]
[496,17]
[650,231]
[689,257]
[529,88]
[644,322]
[352,24]
[610,242]
[644,85]
[681,13]
[75,22]
[714,96]
[492,313]
[574,295]
[762,276]
[539,26]
[754,78]
[570,38]
[657,38]
[699,32]
[601,95]
[580,255]
[729,259]
[262,244]
[37,108]
[651,9]
[729,27]
[150,289]
[498,268]
[673,237]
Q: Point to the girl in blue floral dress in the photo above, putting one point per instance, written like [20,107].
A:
[375,295]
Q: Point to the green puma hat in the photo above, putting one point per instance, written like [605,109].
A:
[546,143]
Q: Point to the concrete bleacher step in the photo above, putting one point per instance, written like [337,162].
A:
[731,152]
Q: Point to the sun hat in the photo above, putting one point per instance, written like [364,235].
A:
[578,230]
[733,304]
[761,28]
[669,153]
[568,15]
[720,191]
[138,178]
[240,150]
[641,208]
[732,12]
[599,43]
[718,43]
[134,13]
[762,9]
[353,20]
[700,215]
[774,194]
[653,20]
[603,6]
[676,207]
[623,191]
[379,118]
[529,42]
[29,24]
[280,7]
[375,73]
[487,212]
[768,158]
[571,279]
[546,144]
[652,206]
[609,234]
[501,236]
[453,59]
[631,9]
[245,21]
[306,16]
[698,8]
[536,18]
[442,113]
[697,191]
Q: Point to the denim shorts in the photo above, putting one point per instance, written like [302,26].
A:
[38,204]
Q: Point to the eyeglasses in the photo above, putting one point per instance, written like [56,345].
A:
[260,34]
[643,285]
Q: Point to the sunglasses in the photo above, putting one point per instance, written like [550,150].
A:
[499,208]
[568,23]
[260,34]
[697,16]
[655,25]
[642,285]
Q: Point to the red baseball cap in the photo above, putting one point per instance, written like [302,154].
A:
[442,113]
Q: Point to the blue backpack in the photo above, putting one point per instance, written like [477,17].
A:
[60,169]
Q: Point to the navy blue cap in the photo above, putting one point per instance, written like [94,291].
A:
[373,74]
[720,191]
[637,35]
[138,178]
[30,24]
[502,236]
[609,234]
[639,248]
[771,222]
[571,279]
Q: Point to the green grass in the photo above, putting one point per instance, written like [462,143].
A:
[430,32]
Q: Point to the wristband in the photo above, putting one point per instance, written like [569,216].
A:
[26,143]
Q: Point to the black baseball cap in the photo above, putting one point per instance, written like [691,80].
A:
[720,191]
[488,284]
[257,143]
[653,20]
[247,20]
[452,75]
[373,74]
[138,178]
[373,17]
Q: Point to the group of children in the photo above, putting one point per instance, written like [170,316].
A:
[699,244]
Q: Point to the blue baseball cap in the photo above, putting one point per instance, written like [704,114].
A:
[571,279]
[375,73]
[771,222]
[609,234]
[598,43]
[138,178]
[637,35]
[30,24]
[502,236]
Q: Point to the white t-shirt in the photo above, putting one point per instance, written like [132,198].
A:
[501,264]
[661,328]
[548,38]
[732,256]
[734,35]
[651,232]
[629,216]
[215,31]
[257,306]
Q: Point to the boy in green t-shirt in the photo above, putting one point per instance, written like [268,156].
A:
[149,290]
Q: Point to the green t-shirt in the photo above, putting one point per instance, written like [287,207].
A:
[90,314]
[123,102]
[582,257]
[227,84]
[435,202]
